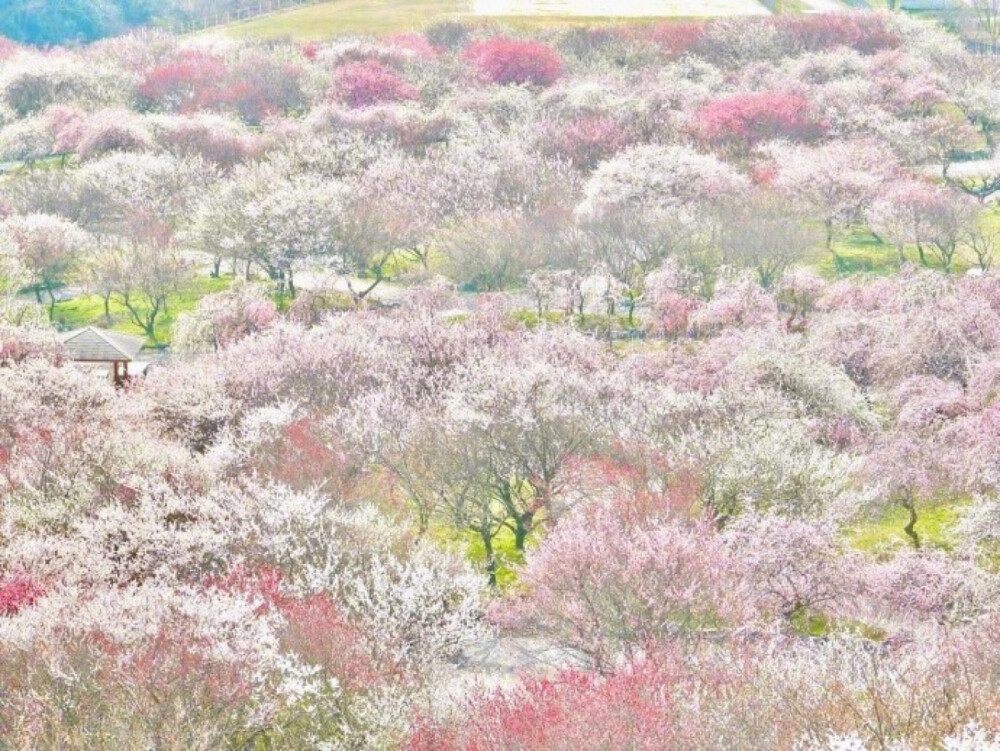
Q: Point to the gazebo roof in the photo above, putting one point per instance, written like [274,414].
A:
[99,345]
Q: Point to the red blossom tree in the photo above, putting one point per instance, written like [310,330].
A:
[370,82]
[190,81]
[633,708]
[513,61]
[744,120]
[17,592]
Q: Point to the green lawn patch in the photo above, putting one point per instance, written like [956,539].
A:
[935,526]
[508,556]
[858,251]
[88,310]
[592,323]
[818,625]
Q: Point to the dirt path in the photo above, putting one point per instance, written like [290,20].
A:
[500,662]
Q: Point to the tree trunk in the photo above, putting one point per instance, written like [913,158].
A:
[947,254]
[522,528]
[910,527]
[52,302]
[107,310]
[491,559]
[359,297]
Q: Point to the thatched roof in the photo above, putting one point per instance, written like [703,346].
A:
[98,345]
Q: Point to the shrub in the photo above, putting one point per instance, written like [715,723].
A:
[111,130]
[447,35]
[633,708]
[260,86]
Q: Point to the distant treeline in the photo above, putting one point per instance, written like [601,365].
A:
[60,21]
[43,22]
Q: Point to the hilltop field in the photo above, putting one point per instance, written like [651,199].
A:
[375,17]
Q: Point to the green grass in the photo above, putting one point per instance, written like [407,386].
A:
[508,556]
[88,310]
[935,526]
[856,252]
[818,625]
[859,252]
[350,17]
[594,323]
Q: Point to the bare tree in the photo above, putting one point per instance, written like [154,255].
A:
[983,243]
[764,235]
[987,13]
[490,252]
[150,272]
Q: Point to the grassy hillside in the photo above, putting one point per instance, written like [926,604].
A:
[393,16]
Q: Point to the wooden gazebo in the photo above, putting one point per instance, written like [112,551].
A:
[99,346]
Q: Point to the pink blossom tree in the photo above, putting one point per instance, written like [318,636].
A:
[834,181]
[49,247]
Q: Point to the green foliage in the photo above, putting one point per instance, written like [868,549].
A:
[532,320]
[508,556]
[809,623]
